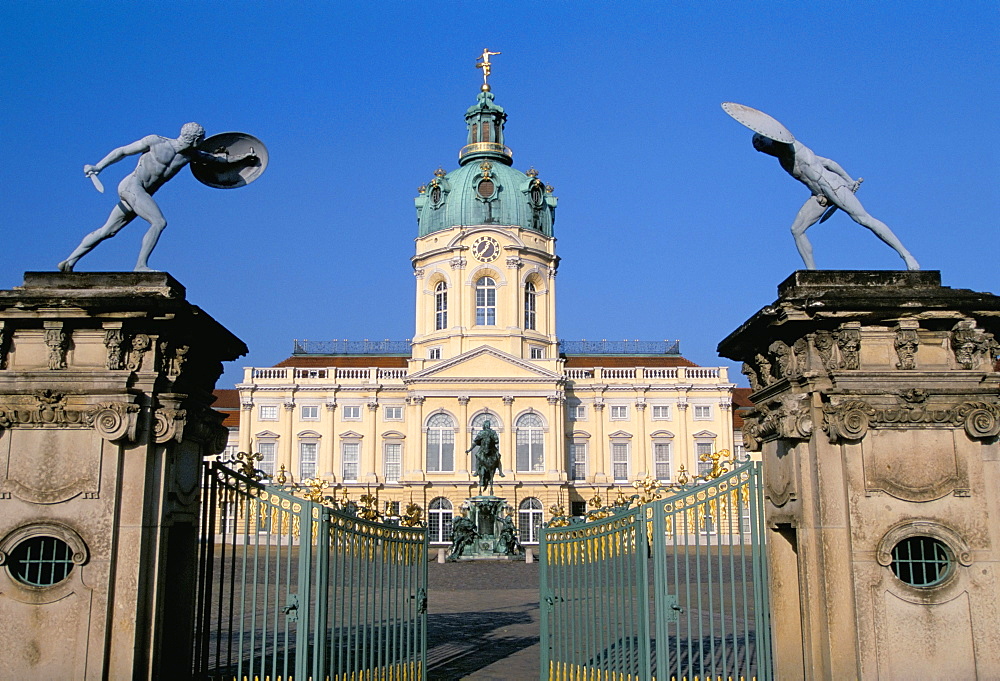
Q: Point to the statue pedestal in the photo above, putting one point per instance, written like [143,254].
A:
[876,412]
[487,513]
[106,384]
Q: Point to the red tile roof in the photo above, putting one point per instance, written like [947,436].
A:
[226,398]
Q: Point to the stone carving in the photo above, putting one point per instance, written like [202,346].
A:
[751,373]
[58,342]
[168,424]
[789,358]
[764,370]
[112,420]
[849,343]
[791,421]
[4,342]
[140,344]
[829,352]
[972,347]
[851,420]
[177,360]
[906,344]
[115,420]
[113,339]
[830,185]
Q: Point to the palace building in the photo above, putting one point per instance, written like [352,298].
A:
[577,420]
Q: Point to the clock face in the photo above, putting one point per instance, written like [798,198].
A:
[486,249]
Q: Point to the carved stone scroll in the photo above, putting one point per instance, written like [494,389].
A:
[168,424]
[850,421]
[140,344]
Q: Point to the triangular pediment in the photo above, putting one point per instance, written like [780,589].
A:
[484,364]
[704,433]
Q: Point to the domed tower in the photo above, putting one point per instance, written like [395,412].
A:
[485,261]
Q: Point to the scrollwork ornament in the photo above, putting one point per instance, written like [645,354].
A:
[849,421]
[168,424]
[114,420]
[782,357]
[764,369]
[750,372]
[981,420]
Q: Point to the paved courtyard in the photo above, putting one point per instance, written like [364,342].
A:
[482,621]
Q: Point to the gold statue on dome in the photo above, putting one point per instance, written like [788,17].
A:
[486,66]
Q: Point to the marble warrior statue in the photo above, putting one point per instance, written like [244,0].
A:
[486,453]
[831,186]
[161,158]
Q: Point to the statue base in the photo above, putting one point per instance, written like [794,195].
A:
[488,513]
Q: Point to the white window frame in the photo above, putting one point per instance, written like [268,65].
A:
[702,412]
[662,456]
[619,412]
[486,301]
[440,306]
[536,352]
[303,446]
[393,412]
[392,469]
[268,449]
[267,412]
[530,306]
[440,444]
[440,513]
[433,353]
[576,412]
[620,456]
[350,455]
[309,412]
[703,447]
[530,516]
[578,461]
[661,412]
[350,412]
[529,439]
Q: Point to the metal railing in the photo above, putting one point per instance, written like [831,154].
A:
[349,347]
[291,588]
[479,147]
[674,588]
[622,347]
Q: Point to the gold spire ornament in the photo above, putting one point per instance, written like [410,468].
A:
[486,66]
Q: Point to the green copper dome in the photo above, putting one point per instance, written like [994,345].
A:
[485,189]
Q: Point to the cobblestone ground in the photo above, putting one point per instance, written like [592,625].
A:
[482,620]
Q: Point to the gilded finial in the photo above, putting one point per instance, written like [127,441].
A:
[440,172]
[422,189]
[281,478]
[532,173]
[486,66]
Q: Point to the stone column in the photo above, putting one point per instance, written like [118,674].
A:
[507,443]
[557,438]
[371,472]
[600,453]
[246,426]
[331,447]
[105,387]
[643,449]
[465,439]
[876,411]
[413,453]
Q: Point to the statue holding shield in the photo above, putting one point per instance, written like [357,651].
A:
[219,164]
[830,185]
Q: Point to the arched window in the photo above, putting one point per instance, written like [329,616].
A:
[529,520]
[486,302]
[439,521]
[529,306]
[440,306]
[440,443]
[530,444]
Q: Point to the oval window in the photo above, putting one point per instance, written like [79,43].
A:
[41,561]
[921,561]
[436,195]
[486,188]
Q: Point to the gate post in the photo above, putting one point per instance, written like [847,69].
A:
[877,414]
[106,384]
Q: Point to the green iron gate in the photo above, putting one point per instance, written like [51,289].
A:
[672,589]
[292,589]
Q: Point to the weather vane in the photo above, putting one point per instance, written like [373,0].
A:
[486,66]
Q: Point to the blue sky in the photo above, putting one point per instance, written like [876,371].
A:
[669,224]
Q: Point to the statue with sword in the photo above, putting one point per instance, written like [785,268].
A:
[831,186]
[224,161]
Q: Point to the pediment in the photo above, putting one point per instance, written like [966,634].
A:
[484,363]
[351,435]
[267,435]
[704,433]
[620,434]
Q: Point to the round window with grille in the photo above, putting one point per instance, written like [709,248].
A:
[40,561]
[486,188]
[922,561]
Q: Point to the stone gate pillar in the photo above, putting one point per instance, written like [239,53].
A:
[877,410]
[105,390]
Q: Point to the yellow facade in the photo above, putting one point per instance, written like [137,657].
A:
[485,347]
